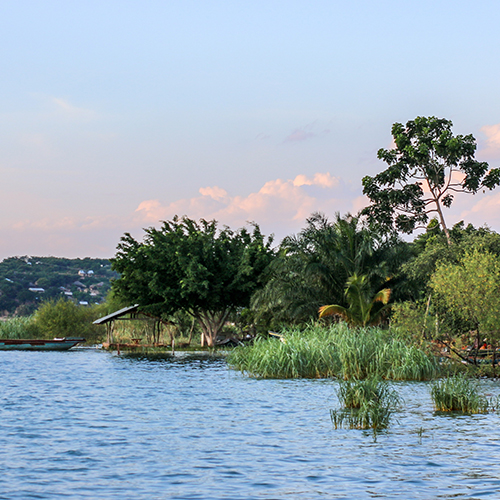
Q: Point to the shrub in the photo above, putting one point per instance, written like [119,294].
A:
[64,318]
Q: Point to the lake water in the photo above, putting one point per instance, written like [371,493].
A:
[91,424]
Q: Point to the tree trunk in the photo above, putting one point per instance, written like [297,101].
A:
[440,213]
[424,335]
[211,323]
[493,359]
[191,332]
[443,222]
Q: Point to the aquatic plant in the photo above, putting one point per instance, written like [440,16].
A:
[367,404]
[22,327]
[335,351]
[458,393]
[300,355]
[400,361]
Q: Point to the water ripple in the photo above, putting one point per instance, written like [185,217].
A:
[88,424]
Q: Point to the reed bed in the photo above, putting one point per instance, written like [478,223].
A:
[337,351]
[22,327]
[367,404]
[299,356]
[459,393]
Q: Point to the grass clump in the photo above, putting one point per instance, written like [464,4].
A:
[367,404]
[336,351]
[458,393]
[301,355]
[22,327]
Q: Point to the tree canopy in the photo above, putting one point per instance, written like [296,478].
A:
[472,288]
[312,268]
[194,267]
[427,166]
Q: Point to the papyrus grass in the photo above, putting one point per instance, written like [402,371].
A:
[459,393]
[337,351]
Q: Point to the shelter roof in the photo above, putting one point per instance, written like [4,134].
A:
[116,315]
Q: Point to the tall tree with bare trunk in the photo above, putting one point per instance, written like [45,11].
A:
[427,166]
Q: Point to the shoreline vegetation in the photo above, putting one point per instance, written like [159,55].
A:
[351,299]
[336,351]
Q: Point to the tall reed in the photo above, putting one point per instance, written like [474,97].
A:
[301,355]
[338,351]
[367,404]
[22,327]
[458,393]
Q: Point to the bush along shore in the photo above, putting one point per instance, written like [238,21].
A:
[336,351]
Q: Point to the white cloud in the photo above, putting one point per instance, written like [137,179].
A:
[280,206]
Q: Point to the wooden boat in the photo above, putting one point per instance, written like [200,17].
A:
[57,344]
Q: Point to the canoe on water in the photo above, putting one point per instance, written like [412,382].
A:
[57,344]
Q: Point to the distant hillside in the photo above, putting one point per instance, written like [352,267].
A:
[27,281]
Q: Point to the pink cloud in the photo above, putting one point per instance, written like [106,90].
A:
[279,206]
[491,147]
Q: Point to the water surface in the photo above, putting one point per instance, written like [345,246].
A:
[90,424]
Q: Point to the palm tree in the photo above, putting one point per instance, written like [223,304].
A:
[365,309]
[312,268]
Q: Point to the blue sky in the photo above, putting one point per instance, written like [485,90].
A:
[116,114]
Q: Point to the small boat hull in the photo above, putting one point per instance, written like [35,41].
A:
[58,344]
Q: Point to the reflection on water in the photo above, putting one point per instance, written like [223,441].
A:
[89,424]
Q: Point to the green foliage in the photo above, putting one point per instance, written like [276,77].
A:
[365,308]
[431,250]
[312,268]
[303,355]
[354,393]
[63,318]
[367,404]
[336,351]
[19,328]
[458,393]
[55,276]
[192,267]
[412,321]
[420,175]
[472,288]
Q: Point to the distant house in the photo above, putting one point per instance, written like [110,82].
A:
[81,272]
[83,303]
[90,272]
[36,290]
[79,284]
[69,294]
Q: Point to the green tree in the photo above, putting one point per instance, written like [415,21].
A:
[427,166]
[472,288]
[312,268]
[365,308]
[192,267]
[63,318]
